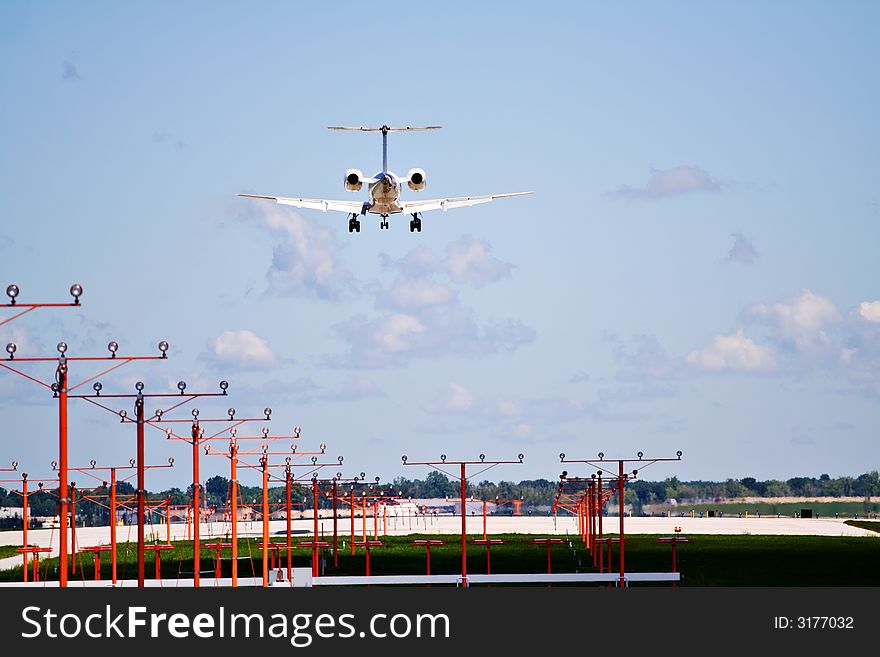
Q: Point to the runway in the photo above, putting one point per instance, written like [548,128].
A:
[562,525]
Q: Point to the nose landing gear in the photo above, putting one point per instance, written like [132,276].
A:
[353,224]
[416,223]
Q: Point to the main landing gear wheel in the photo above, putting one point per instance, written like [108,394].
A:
[353,224]
[384,224]
[415,224]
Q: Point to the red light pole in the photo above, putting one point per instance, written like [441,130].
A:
[111,494]
[621,481]
[140,420]
[234,459]
[60,389]
[427,543]
[25,548]
[674,540]
[463,479]
[197,439]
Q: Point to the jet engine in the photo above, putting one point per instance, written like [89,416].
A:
[353,180]
[416,179]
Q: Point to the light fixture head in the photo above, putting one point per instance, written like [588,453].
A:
[268,413]
[181,385]
[61,347]
[10,349]
[224,386]
[139,386]
[231,412]
[163,347]
[97,387]
[112,347]
[76,291]
[12,292]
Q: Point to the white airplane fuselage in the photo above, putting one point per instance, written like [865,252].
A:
[385,195]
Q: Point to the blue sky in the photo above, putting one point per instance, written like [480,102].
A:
[697,268]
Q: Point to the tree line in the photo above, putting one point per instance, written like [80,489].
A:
[536,495]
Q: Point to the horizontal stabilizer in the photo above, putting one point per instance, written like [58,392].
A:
[384,128]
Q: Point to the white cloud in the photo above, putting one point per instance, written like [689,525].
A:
[457,399]
[243,349]
[870,311]
[397,332]
[358,387]
[673,182]
[734,353]
[802,321]
[307,262]
[420,261]
[417,293]
[467,260]
[434,332]
[642,359]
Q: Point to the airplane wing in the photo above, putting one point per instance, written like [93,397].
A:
[450,203]
[313,203]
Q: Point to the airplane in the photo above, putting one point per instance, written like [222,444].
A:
[384,189]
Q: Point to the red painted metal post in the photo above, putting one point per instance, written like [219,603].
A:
[484,520]
[168,520]
[158,564]
[428,547]
[287,486]
[367,548]
[384,520]
[463,527]
[97,565]
[488,557]
[351,506]
[233,465]
[363,518]
[375,520]
[141,487]
[335,533]
[265,465]
[73,530]
[61,376]
[315,514]
[196,507]
[113,525]
[24,526]
[620,482]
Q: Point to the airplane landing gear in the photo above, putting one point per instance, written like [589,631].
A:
[416,223]
[384,224]
[353,224]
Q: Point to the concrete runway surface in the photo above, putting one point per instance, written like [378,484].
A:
[302,529]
